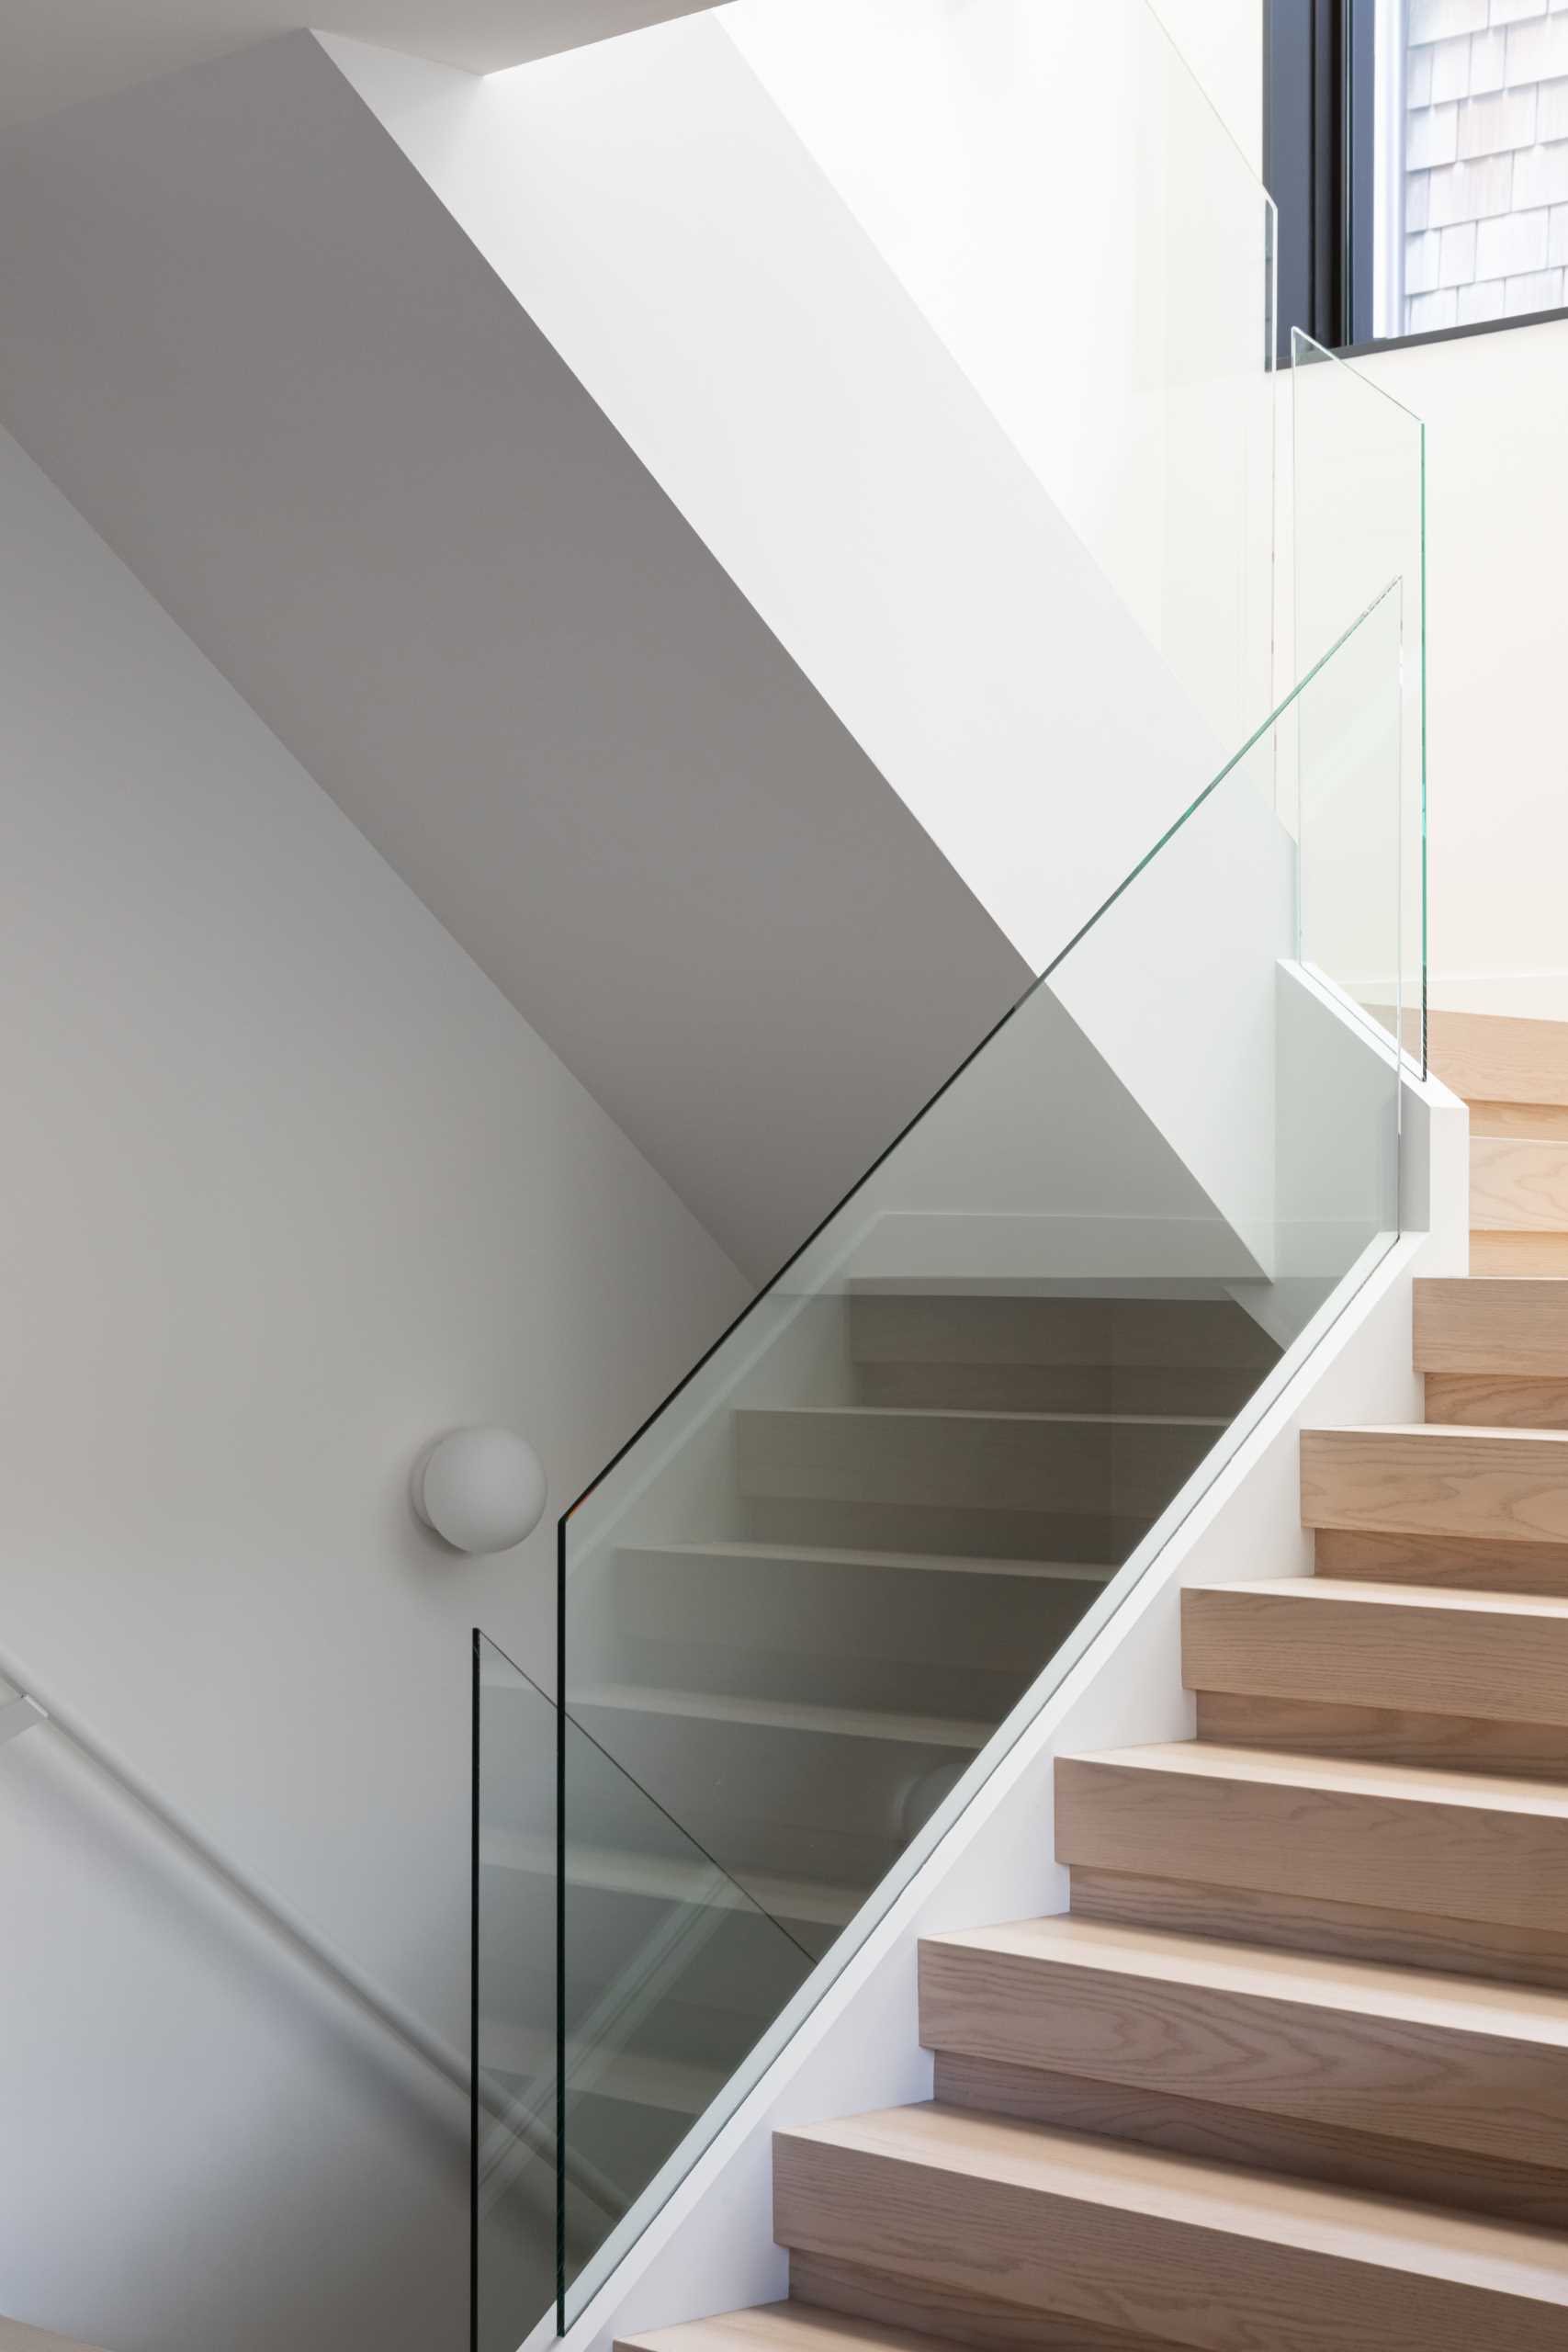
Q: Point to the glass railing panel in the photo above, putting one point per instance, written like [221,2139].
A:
[512,2217]
[1358,502]
[612,2003]
[810,1603]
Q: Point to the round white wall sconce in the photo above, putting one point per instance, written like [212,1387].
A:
[480,1490]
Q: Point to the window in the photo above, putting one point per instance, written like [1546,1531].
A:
[1418,154]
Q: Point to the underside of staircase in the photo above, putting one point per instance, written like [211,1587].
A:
[1292,2074]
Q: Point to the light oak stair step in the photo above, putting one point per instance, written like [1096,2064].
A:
[1163,2245]
[1495,1350]
[1497,1058]
[1452,1845]
[1519,1184]
[1507,1484]
[1403,2054]
[795,2326]
[1501,1656]
[845,2307]
[1515,1330]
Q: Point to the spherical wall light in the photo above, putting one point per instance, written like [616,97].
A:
[480,1490]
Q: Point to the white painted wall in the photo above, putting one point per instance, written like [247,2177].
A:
[286,1187]
[388,512]
[1497,783]
[652,208]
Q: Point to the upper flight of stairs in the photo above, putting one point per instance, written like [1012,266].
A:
[1292,2074]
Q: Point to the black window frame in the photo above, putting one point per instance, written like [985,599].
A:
[1319,129]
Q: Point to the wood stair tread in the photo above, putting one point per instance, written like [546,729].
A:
[1464,1598]
[1459,2004]
[780,2327]
[1335,1775]
[1381,2233]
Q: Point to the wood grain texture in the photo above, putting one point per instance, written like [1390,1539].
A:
[794,2326]
[1384,1735]
[1520,1119]
[1399,2053]
[1478,1563]
[1507,1484]
[1132,2238]
[1494,1057]
[1447,1844]
[1488,1400]
[1512,1254]
[1218,2133]
[881,2296]
[1362,1931]
[1518,1329]
[1499,1655]
[1519,1184]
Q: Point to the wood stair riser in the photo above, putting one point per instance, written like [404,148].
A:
[1363,1932]
[1475,1564]
[921,2305]
[1384,1735]
[1517,1185]
[1515,1254]
[1483,1400]
[1499,1057]
[1516,1330]
[1489,1656]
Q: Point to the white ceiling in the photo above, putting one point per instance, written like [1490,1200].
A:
[54,51]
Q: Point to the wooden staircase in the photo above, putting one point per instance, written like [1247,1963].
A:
[1291,2074]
